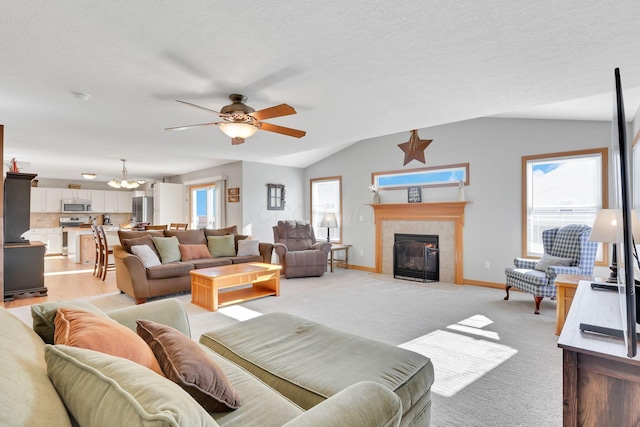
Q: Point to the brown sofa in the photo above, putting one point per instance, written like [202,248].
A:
[139,282]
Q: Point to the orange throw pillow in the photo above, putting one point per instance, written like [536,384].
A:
[79,328]
[188,252]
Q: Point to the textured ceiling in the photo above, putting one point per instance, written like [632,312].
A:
[353,70]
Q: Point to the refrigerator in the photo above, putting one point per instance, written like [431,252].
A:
[142,209]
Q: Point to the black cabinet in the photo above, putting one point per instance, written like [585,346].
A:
[23,261]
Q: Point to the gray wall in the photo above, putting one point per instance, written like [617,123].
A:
[493,148]
[257,220]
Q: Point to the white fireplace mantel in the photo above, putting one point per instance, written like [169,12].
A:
[438,211]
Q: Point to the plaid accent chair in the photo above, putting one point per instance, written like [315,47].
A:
[567,250]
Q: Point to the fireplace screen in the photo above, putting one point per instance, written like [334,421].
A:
[415,257]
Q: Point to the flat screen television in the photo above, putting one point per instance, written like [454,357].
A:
[627,256]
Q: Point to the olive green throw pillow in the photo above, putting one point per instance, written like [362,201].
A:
[103,390]
[168,248]
[185,363]
[222,245]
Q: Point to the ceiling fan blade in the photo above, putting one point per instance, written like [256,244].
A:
[283,130]
[271,112]
[191,126]
[197,106]
[237,140]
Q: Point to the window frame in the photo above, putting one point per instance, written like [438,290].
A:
[211,197]
[604,192]
[338,213]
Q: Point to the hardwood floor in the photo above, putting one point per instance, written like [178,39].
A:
[65,279]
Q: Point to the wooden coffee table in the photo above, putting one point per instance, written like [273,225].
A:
[206,284]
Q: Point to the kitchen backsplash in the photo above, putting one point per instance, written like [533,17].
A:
[45,220]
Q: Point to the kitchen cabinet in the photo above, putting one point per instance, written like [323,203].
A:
[97,201]
[45,199]
[73,193]
[124,201]
[51,237]
[167,203]
[117,201]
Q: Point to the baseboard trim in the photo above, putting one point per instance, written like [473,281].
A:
[485,284]
[362,268]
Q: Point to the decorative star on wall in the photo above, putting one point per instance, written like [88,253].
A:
[414,148]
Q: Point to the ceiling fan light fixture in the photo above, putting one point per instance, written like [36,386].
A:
[123,182]
[238,130]
[87,175]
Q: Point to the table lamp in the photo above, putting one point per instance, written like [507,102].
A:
[329,220]
[605,230]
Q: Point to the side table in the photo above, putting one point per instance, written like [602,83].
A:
[337,248]
[566,285]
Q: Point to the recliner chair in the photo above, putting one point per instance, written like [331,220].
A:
[567,250]
[299,254]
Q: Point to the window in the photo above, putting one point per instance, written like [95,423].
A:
[560,189]
[326,197]
[203,206]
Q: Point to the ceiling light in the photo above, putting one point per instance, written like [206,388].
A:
[87,175]
[238,130]
[123,182]
[81,96]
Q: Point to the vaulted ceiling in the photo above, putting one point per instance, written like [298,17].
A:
[352,69]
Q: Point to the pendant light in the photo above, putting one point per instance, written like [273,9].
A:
[124,182]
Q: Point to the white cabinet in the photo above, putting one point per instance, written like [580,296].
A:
[52,237]
[167,203]
[117,201]
[72,193]
[97,201]
[45,199]
[124,201]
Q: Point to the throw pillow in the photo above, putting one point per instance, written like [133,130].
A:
[102,390]
[221,245]
[148,257]
[167,248]
[188,252]
[44,315]
[248,247]
[127,244]
[79,328]
[185,363]
[221,231]
[549,260]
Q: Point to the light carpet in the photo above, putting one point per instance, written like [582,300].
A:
[496,363]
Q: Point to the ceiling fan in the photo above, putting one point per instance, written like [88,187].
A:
[241,121]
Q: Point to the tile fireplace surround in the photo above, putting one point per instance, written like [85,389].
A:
[446,219]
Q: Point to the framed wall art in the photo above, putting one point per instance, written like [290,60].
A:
[275,197]
[233,191]
[233,199]
[414,194]
[437,176]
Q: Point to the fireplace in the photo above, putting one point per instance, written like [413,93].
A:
[416,257]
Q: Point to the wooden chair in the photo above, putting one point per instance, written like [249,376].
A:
[105,252]
[97,265]
[178,226]
[155,227]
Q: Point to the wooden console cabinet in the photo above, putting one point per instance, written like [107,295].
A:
[601,385]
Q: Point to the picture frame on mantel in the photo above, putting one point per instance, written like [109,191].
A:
[436,176]
[414,194]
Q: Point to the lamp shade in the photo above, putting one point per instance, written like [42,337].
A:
[329,220]
[238,130]
[605,228]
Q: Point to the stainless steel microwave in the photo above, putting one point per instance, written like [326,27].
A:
[75,205]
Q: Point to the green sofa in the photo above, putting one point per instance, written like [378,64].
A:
[29,397]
